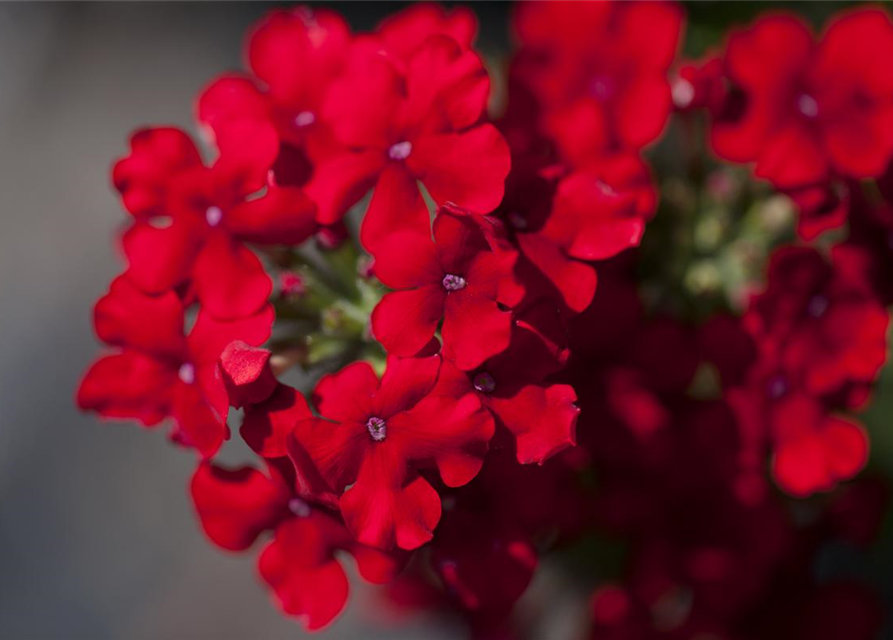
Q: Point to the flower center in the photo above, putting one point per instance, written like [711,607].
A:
[807,105]
[187,373]
[452,282]
[683,93]
[484,382]
[517,220]
[299,507]
[377,427]
[305,119]
[601,87]
[213,215]
[777,386]
[400,151]
[817,306]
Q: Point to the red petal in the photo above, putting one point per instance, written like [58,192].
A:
[383,511]
[296,53]
[341,181]
[643,109]
[452,434]
[128,385]
[126,317]
[446,87]
[210,336]
[337,449]
[405,31]
[230,280]
[307,580]
[405,321]
[284,215]
[161,258]
[847,445]
[404,383]
[231,98]
[396,206]
[155,156]
[248,149]
[199,425]
[405,260]
[375,565]
[246,373]
[468,169]
[268,424]
[236,505]
[474,327]
[346,394]
[361,105]
[542,419]
[574,280]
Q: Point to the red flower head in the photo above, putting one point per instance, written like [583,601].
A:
[161,372]
[377,437]
[802,110]
[407,123]
[599,69]
[295,55]
[236,506]
[213,212]
[459,278]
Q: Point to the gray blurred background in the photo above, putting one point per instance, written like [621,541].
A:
[97,536]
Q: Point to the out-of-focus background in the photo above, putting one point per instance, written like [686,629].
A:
[97,535]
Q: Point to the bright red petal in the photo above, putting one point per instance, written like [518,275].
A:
[284,215]
[468,169]
[236,505]
[229,279]
[405,321]
[268,424]
[128,385]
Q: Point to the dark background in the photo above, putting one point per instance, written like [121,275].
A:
[97,536]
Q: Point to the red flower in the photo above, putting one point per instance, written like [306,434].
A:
[295,55]
[236,506]
[599,69]
[541,417]
[402,125]
[802,110]
[601,209]
[161,372]
[458,278]
[819,324]
[382,435]
[214,211]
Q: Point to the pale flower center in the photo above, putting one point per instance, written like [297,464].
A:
[305,119]
[400,151]
[378,429]
[453,282]
[213,215]
[187,373]
[807,105]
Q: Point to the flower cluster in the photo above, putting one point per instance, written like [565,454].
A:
[498,359]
